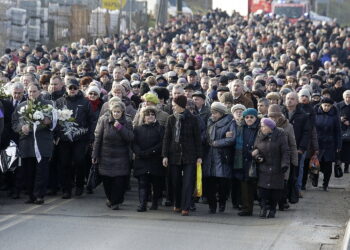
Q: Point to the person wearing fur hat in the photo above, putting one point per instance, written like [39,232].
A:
[271,153]
[148,169]
[275,114]
[273,97]
[243,160]
[217,167]
[181,151]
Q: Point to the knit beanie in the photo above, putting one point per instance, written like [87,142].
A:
[304,92]
[226,97]
[93,89]
[219,107]
[151,97]
[268,123]
[250,111]
[274,110]
[238,106]
[181,100]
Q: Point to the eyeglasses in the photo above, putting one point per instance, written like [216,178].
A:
[93,93]
[73,88]
[249,117]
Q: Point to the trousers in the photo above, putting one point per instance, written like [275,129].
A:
[217,185]
[269,197]
[248,190]
[147,183]
[182,178]
[36,176]
[114,188]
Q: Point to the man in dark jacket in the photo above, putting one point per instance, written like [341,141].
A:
[299,119]
[56,89]
[35,160]
[72,148]
[182,150]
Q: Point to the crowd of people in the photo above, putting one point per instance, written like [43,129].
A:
[250,100]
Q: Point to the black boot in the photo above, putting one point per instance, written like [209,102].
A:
[143,197]
[263,209]
[346,168]
[272,213]
[79,191]
[142,208]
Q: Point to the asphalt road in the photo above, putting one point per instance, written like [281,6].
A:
[316,222]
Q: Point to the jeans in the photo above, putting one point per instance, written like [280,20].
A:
[301,159]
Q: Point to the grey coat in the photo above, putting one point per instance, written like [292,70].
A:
[43,134]
[112,146]
[218,160]
[275,152]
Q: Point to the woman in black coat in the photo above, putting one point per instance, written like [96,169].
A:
[148,167]
[327,124]
[113,136]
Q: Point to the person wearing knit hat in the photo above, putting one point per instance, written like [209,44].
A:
[217,167]
[273,97]
[181,101]
[274,111]
[150,97]
[267,122]
[251,112]
[181,151]
[272,153]
[238,107]
[93,89]
[226,99]
[218,107]
[304,96]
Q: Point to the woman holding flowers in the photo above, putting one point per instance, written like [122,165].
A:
[32,120]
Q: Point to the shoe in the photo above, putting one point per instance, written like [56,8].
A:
[79,191]
[115,207]
[108,203]
[30,201]
[222,207]
[193,207]
[89,191]
[177,209]
[263,213]
[286,205]
[67,196]
[271,214]
[325,188]
[142,208]
[185,213]
[212,211]
[245,213]
[168,203]
[39,201]
[154,206]
[303,188]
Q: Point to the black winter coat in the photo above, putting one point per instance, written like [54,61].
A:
[301,126]
[189,148]
[147,146]
[219,160]
[112,146]
[275,152]
[83,114]
[328,133]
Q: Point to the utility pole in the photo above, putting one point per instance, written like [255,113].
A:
[179,7]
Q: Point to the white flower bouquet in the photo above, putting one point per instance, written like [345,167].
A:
[67,122]
[35,112]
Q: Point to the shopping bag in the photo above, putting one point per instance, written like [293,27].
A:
[314,165]
[253,172]
[199,189]
[94,178]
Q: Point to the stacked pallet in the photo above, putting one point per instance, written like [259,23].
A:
[17,26]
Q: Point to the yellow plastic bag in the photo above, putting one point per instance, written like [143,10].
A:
[199,181]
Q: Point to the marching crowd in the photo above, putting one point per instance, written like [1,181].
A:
[254,101]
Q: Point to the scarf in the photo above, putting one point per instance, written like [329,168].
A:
[238,160]
[178,118]
[95,104]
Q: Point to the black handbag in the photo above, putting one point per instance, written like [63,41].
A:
[338,171]
[253,171]
[345,135]
[94,178]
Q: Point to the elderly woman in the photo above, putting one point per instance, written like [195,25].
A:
[272,156]
[218,161]
[243,160]
[113,136]
[148,169]
[327,124]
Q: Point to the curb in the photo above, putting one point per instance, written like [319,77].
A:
[346,239]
